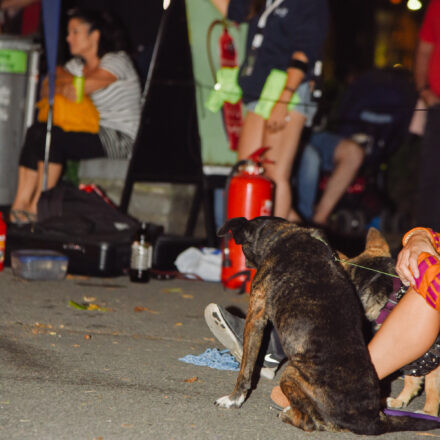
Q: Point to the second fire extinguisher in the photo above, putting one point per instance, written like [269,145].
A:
[248,194]
[232,112]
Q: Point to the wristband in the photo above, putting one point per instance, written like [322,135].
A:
[298,64]
[290,89]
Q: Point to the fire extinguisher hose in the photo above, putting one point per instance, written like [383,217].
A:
[208,45]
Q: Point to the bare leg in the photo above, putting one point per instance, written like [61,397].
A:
[284,145]
[348,158]
[26,186]
[251,137]
[53,175]
[408,332]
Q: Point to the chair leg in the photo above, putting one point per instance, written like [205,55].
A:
[194,212]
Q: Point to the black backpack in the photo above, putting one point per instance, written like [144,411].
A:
[67,209]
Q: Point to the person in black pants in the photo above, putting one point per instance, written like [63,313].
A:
[111,82]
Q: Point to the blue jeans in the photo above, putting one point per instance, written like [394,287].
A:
[317,156]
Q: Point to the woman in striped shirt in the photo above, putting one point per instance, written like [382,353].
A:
[110,80]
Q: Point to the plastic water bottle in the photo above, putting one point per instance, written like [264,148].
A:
[2,241]
[141,257]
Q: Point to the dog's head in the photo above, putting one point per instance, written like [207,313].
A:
[373,287]
[254,235]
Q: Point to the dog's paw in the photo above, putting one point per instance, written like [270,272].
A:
[229,402]
[395,403]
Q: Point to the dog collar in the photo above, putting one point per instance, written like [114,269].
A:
[398,290]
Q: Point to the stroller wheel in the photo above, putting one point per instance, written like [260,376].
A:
[349,222]
[358,222]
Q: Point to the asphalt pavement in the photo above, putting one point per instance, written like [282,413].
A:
[113,373]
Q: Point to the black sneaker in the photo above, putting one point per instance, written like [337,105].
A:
[228,329]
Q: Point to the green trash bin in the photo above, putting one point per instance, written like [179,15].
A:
[19,62]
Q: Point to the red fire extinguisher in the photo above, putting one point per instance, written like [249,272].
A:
[232,113]
[249,194]
[2,241]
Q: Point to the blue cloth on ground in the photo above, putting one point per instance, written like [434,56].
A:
[213,358]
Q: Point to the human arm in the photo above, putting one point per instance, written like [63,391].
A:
[93,80]
[421,66]
[415,242]
[221,6]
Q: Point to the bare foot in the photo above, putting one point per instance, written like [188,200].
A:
[279,398]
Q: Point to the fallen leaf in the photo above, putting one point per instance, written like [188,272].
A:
[209,339]
[178,324]
[75,345]
[90,306]
[145,309]
[87,336]
[187,296]
[76,277]
[89,299]
[173,290]
[191,379]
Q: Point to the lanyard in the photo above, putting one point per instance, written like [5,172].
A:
[257,41]
[259,37]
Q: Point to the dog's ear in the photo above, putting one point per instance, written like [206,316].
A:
[343,258]
[234,225]
[375,240]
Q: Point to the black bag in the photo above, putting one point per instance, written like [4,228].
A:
[95,235]
[66,208]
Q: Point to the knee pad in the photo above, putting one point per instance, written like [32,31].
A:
[428,282]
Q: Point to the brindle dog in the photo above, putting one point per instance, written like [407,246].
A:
[374,290]
[299,286]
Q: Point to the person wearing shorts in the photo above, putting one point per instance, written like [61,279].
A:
[330,153]
[284,41]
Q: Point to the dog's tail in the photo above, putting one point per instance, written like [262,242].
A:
[406,422]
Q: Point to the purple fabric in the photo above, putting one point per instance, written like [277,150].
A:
[399,413]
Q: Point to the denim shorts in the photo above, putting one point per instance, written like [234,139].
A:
[305,106]
[325,143]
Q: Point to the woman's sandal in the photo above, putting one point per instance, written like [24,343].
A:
[21,217]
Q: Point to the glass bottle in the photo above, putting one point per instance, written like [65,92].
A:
[141,256]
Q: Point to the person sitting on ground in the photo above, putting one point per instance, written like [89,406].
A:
[331,153]
[408,332]
[111,81]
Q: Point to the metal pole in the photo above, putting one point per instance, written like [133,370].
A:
[47,145]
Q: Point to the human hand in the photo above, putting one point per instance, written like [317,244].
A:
[15,4]
[64,84]
[429,97]
[406,266]
[278,117]
[66,89]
